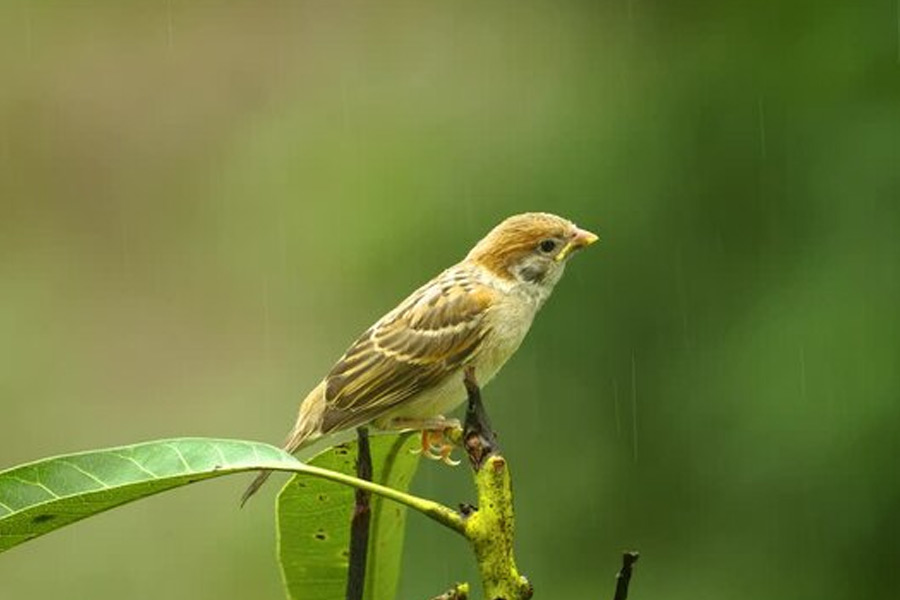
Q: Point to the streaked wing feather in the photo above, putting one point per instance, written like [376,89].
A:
[434,332]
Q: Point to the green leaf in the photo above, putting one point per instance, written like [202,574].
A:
[39,497]
[314,522]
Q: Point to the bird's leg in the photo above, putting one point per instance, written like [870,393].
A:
[438,436]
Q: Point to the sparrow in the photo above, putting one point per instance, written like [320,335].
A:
[406,370]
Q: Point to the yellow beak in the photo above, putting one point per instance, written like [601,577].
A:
[582,239]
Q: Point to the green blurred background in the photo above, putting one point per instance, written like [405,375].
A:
[202,203]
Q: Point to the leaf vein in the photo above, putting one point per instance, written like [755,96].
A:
[255,452]
[181,457]
[37,484]
[136,463]
[221,454]
[85,473]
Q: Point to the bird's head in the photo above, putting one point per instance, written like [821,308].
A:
[531,248]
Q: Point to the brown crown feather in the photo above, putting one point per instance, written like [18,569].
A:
[515,237]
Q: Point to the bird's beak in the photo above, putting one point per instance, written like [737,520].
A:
[582,239]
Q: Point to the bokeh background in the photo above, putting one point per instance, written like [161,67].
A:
[202,203]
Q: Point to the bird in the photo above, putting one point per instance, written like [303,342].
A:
[407,370]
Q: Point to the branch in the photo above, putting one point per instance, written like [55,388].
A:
[359,525]
[623,577]
[490,528]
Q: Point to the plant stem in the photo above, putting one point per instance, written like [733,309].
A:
[623,577]
[431,509]
[359,525]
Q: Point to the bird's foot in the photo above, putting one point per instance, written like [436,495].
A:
[437,446]
[439,437]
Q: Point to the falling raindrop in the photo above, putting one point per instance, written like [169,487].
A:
[615,383]
[761,115]
[170,26]
[802,373]
[29,33]
[634,427]
[266,321]
[682,296]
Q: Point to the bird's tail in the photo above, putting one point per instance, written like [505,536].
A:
[307,430]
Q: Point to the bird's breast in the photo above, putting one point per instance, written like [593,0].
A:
[509,323]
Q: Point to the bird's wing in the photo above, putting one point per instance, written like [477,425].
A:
[434,332]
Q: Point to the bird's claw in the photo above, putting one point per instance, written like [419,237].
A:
[436,446]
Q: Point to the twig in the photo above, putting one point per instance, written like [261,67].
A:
[436,511]
[623,577]
[359,525]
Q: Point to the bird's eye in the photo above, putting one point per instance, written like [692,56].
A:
[548,246]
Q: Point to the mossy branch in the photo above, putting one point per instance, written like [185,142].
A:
[490,528]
